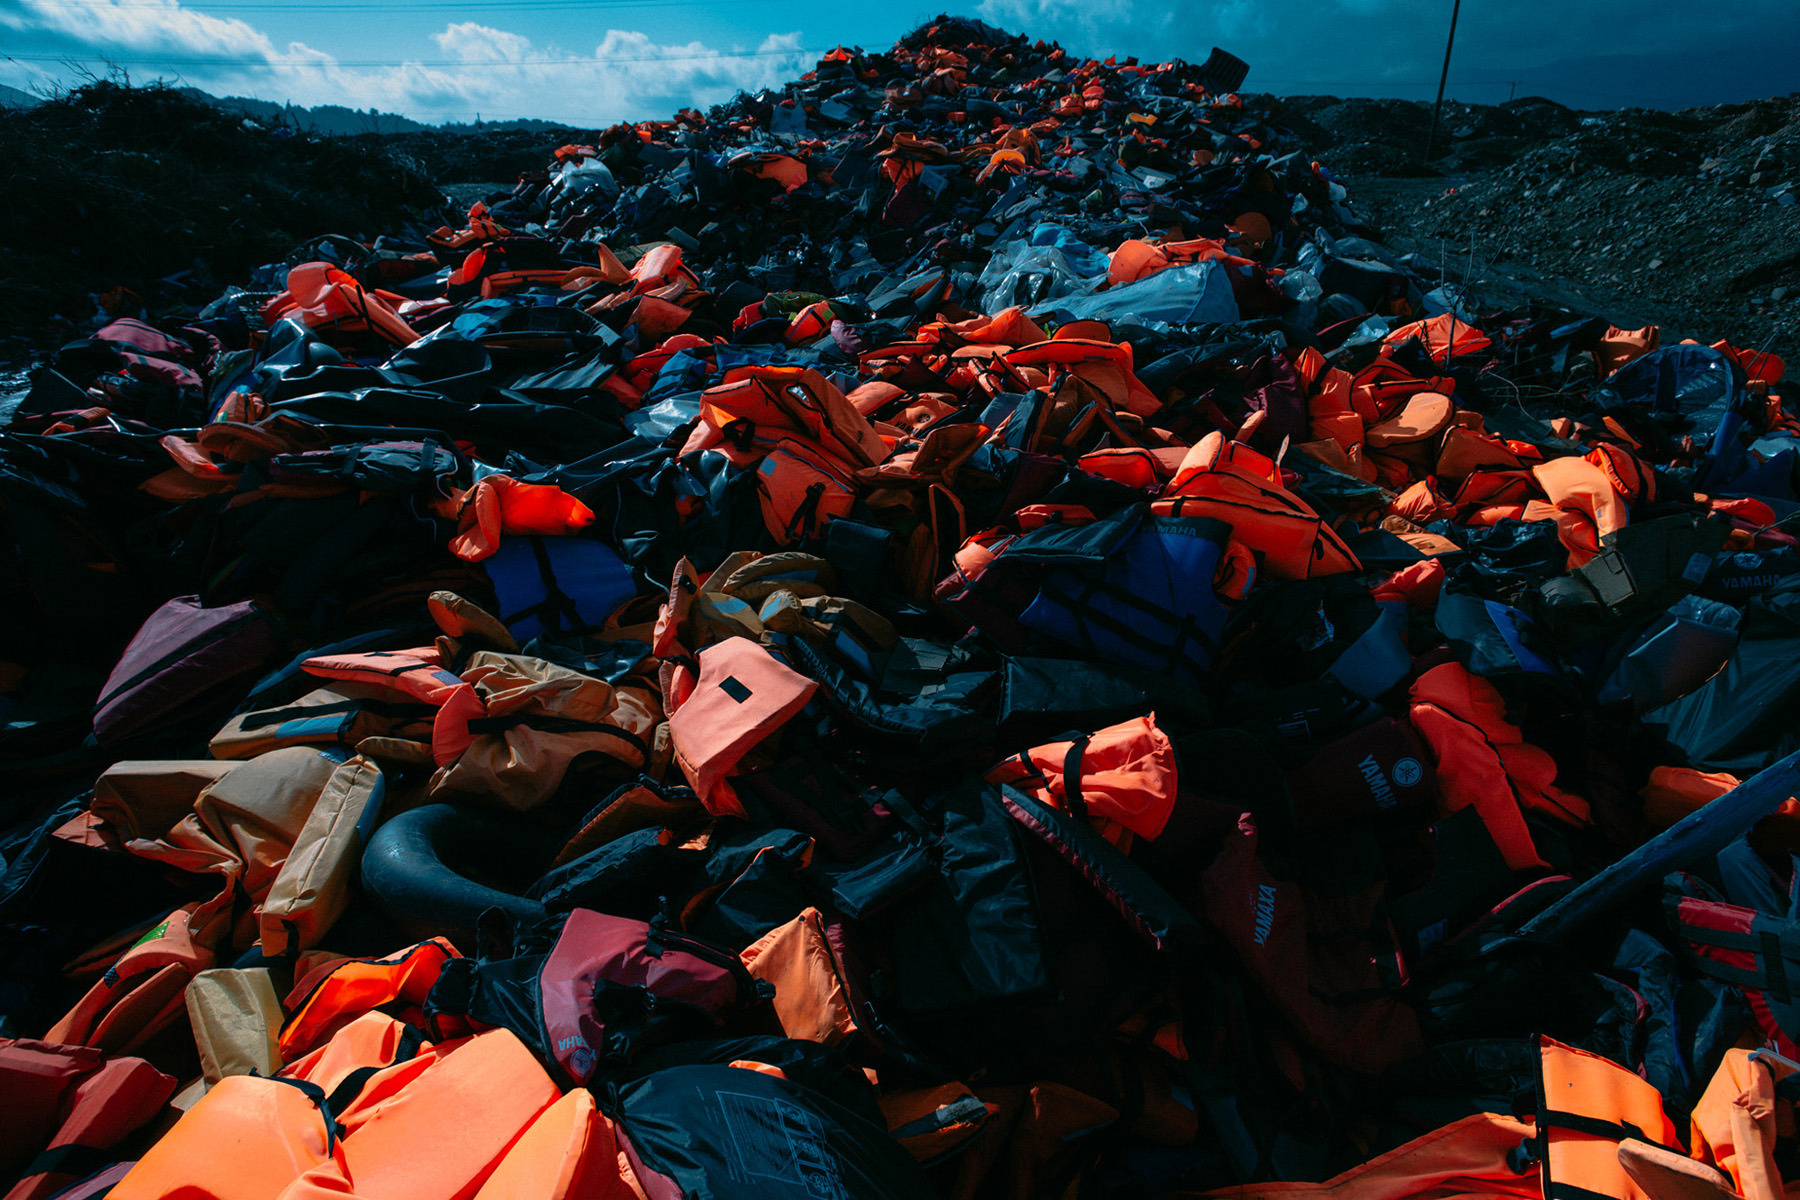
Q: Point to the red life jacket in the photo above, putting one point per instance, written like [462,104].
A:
[802,490]
[1326,959]
[63,1107]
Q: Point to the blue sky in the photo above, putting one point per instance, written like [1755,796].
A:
[593,62]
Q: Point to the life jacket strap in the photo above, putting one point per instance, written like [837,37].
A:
[1595,1126]
[72,1159]
[557,610]
[1078,601]
[1569,1191]
[1072,797]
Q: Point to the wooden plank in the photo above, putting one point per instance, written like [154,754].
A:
[1697,836]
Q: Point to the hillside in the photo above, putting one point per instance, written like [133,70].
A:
[1683,219]
[147,189]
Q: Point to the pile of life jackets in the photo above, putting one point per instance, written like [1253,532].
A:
[960,629]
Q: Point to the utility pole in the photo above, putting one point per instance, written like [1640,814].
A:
[1444,76]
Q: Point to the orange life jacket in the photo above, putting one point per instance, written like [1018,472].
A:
[431,1127]
[329,299]
[500,504]
[1235,484]
[1587,1105]
[1467,450]
[813,992]
[1414,433]
[1585,502]
[414,673]
[1735,1124]
[1135,466]
[802,490]
[248,1138]
[1619,346]
[419,675]
[1136,259]
[371,1040]
[755,408]
[1121,778]
[141,993]
[1631,477]
[342,991]
[1761,366]
[436,1132]
[1484,761]
[1466,1159]
[742,696]
[1444,336]
[568,1153]
[1107,367]
[935,1122]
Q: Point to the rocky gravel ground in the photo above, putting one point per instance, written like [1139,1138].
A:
[1690,219]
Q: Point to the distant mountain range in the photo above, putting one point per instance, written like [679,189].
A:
[336,119]
[325,118]
[1690,78]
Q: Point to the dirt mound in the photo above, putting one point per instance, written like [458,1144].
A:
[463,157]
[1360,136]
[1689,220]
[147,189]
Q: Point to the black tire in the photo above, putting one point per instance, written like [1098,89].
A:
[414,869]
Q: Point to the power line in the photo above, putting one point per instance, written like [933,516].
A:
[427,9]
[1426,83]
[122,61]
[375,63]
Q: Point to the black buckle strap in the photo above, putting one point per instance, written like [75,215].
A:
[1073,800]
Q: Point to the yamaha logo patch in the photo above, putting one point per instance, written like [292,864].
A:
[1265,913]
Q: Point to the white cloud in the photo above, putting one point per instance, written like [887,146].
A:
[473,42]
[1086,26]
[627,75]
[142,25]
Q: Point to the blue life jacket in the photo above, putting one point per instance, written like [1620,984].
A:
[557,584]
[1148,603]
